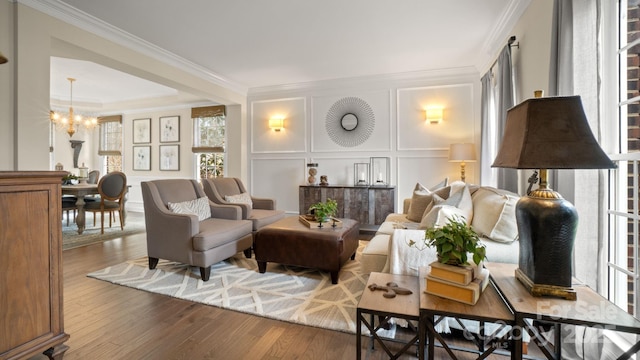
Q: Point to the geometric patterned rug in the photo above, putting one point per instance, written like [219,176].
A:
[287,293]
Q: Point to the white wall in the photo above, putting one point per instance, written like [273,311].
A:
[6,86]
[418,150]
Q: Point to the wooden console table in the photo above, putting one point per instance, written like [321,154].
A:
[590,309]
[370,205]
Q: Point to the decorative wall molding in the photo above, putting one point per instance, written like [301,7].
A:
[458,125]
[292,139]
[73,16]
[379,140]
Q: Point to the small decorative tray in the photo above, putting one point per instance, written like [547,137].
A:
[310,222]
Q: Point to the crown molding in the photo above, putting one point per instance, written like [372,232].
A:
[84,21]
[500,33]
[463,73]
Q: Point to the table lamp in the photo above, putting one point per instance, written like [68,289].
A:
[462,153]
[548,133]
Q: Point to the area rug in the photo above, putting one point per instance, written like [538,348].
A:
[134,224]
[287,293]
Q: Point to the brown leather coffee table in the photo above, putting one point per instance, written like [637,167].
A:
[289,242]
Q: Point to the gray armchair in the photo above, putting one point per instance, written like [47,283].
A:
[182,237]
[262,212]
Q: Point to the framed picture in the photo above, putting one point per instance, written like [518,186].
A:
[142,158]
[169,157]
[170,129]
[142,131]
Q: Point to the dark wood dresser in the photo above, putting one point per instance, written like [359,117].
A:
[31,317]
[370,205]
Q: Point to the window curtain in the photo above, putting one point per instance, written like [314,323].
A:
[505,95]
[498,94]
[572,54]
[488,145]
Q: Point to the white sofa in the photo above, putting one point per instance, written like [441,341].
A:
[492,216]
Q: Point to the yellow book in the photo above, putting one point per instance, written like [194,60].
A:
[468,294]
[456,274]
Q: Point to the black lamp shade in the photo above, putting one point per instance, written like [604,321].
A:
[550,133]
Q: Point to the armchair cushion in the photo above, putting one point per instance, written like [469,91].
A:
[199,207]
[216,232]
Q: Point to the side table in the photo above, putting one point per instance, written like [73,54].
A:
[490,308]
[375,304]
[590,309]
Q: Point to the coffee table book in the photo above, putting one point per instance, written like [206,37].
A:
[462,275]
[468,294]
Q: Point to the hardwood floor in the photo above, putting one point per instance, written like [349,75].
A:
[107,321]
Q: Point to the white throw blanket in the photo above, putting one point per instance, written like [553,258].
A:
[404,259]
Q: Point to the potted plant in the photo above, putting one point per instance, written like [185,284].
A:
[323,211]
[454,241]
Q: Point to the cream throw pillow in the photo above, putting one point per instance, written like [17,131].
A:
[439,215]
[495,214]
[421,199]
[199,207]
[460,199]
[243,198]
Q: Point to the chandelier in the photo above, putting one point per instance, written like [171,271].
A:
[71,122]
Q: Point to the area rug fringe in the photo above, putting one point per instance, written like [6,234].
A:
[286,293]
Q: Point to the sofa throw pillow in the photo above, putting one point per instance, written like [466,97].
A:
[243,198]
[495,214]
[421,198]
[199,207]
[439,215]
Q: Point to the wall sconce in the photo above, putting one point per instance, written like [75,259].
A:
[276,123]
[434,114]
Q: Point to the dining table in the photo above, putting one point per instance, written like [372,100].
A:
[81,191]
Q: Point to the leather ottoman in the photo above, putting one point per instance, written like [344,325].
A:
[289,242]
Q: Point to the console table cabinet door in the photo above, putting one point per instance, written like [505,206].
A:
[30,265]
[368,205]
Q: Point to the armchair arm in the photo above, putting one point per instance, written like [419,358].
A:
[263,203]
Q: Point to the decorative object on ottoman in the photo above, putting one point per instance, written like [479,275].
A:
[323,211]
[313,171]
[548,133]
[453,242]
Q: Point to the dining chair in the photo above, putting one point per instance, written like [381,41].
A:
[112,189]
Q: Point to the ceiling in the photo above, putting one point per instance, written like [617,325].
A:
[278,42]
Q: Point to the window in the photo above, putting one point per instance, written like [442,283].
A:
[209,137]
[624,209]
[110,143]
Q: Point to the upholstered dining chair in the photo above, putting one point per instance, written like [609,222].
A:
[94,175]
[112,189]
[231,191]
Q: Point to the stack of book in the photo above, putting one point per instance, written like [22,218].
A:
[459,283]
